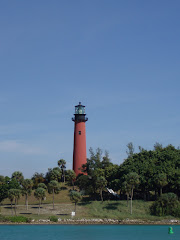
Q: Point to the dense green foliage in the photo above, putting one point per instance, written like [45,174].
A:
[17,219]
[53,174]
[167,204]
[6,185]
[70,177]
[53,219]
[38,178]
[156,169]
[100,173]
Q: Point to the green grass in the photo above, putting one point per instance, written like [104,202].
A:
[119,210]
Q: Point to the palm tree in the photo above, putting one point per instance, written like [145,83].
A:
[27,185]
[76,197]
[14,194]
[101,184]
[18,176]
[11,198]
[53,187]
[132,179]
[53,174]
[71,176]
[40,194]
[42,185]
[126,189]
[62,165]
[161,181]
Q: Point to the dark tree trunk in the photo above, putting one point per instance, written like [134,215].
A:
[131,199]
[26,202]
[144,196]
[127,199]
[11,207]
[15,206]
[101,195]
[39,206]
[131,205]
[156,193]
[53,198]
[75,207]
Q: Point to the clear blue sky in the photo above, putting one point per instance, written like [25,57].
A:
[119,58]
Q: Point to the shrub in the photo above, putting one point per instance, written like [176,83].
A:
[18,219]
[167,204]
[177,211]
[53,219]
[3,219]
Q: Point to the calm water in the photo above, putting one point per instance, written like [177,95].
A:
[87,232]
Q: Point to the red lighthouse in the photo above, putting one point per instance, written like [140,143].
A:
[79,152]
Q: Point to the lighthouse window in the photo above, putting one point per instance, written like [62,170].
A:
[79,132]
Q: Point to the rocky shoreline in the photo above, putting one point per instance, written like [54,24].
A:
[101,221]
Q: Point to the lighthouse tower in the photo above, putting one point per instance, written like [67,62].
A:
[79,152]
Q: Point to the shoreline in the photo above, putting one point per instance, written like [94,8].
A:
[95,222]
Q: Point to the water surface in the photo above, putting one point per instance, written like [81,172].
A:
[87,232]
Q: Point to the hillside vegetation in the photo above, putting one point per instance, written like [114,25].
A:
[146,185]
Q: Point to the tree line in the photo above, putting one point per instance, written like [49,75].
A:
[145,175]
[16,185]
[148,175]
